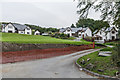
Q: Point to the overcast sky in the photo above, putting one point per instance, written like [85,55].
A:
[45,13]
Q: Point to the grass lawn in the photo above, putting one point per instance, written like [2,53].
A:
[104,63]
[107,49]
[111,43]
[23,38]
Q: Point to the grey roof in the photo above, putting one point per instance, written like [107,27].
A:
[18,26]
[4,25]
[73,29]
[109,29]
[84,29]
[62,29]
[95,31]
[76,29]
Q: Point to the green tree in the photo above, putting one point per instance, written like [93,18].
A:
[73,26]
[110,11]
[92,24]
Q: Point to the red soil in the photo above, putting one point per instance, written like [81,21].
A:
[18,56]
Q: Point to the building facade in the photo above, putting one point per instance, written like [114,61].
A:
[16,28]
[77,32]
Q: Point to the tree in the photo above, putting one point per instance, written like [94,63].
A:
[110,11]
[92,24]
[72,26]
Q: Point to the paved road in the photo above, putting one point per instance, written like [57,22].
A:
[57,67]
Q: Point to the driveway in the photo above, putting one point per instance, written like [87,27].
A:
[56,67]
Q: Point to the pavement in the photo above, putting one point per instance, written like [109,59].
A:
[56,67]
[110,46]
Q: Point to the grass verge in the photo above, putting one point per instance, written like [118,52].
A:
[103,63]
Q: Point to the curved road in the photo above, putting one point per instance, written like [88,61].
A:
[56,67]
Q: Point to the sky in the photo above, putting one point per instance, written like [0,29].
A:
[45,13]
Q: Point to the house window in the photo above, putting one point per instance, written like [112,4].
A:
[100,38]
[37,33]
[10,27]
[28,33]
[22,32]
[10,32]
[113,32]
[68,30]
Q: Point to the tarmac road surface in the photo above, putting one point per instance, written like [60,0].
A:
[56,67]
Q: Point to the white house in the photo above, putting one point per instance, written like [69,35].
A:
[16,28]
[106,34]
[77,32]
[37,32]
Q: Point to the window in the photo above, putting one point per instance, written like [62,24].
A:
[21,32]
[113,32]
[28,33]
[37,33]
[100,38]
[10,32]
[68,30]
[79,34]
[10,27]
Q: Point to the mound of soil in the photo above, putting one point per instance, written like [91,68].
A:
[17,56]
[7,47]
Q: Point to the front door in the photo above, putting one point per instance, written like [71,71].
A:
[113,37]
[83,36]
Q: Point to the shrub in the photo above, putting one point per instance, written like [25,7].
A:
[91,39]
[59,35]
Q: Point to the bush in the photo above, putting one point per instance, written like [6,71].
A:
[91,39]
[71,38]
[59,35]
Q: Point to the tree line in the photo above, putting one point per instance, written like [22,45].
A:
[91,23]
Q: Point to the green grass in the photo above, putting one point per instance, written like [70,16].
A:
[38,39]
[111,43]
[84,40]
[104,63]
[106,49]
[71,38]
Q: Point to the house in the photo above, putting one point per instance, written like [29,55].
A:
[16,28]
[37,32]
[77,32]
[106,34]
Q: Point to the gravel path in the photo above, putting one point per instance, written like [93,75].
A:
[56,67]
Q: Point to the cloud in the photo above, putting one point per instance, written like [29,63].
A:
[37,0]
[46,14]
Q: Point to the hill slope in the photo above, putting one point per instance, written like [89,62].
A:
[22,38]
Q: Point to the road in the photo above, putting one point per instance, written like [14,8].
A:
[56,67]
